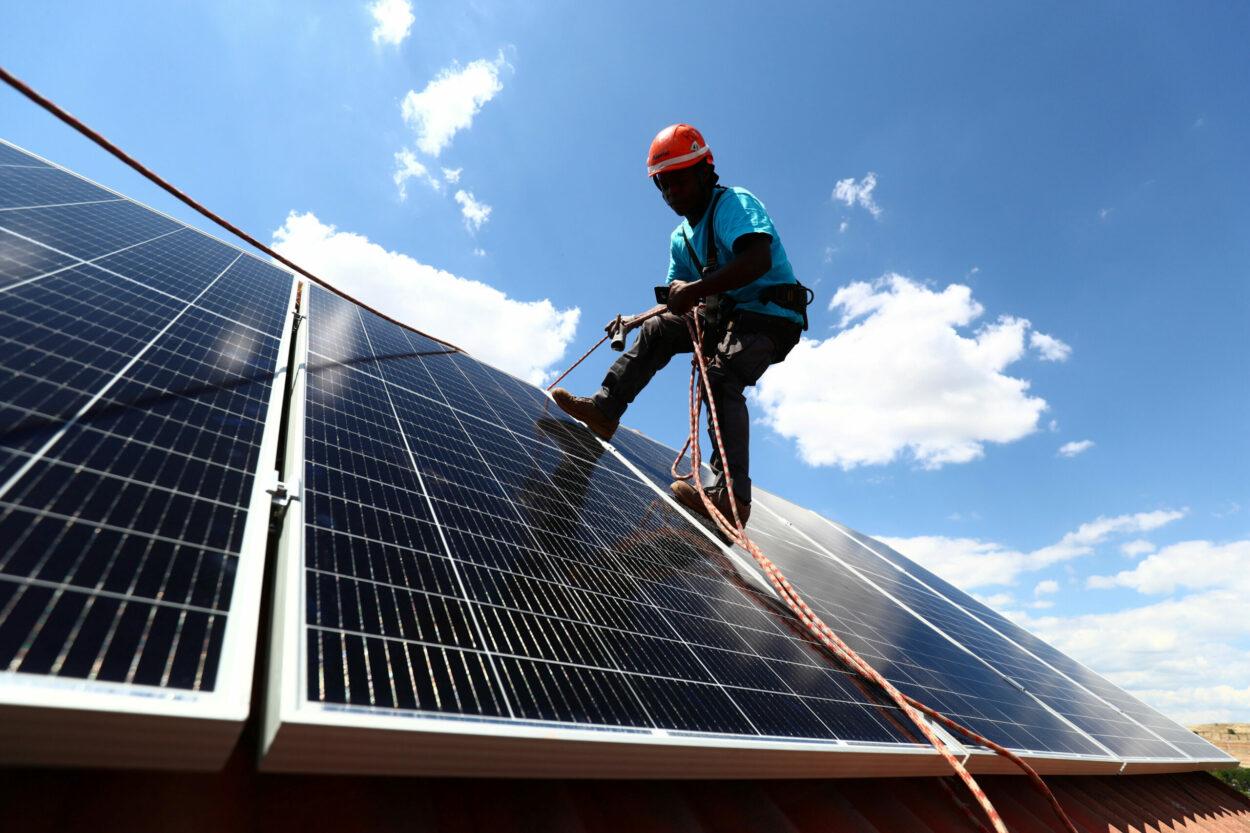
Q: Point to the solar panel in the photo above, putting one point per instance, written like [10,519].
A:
[1120,726]
[137,405]
[466,581]
[470,564]
[1128,728]
[476,573]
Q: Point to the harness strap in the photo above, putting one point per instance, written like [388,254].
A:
[710,262]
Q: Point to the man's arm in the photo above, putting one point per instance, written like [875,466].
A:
[753,258]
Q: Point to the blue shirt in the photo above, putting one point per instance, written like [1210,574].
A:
[737,213]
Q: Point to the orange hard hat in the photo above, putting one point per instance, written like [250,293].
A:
[676,146]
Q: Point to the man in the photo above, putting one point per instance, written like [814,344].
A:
[727,254]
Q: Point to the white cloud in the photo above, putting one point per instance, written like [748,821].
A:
[970,563]
[1186,656]
[901,378]
[479,252]
[1189,565]
[1137,547]
[393,20]
[407,167]
[997,601]
[1049,348]
[448,104]
[475,213]
[1104,213]
[851,192]
[452,175]
[1053,426]
[1075,447]
[843,226]
[522,337]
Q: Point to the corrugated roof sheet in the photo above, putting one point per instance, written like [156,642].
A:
[240,799]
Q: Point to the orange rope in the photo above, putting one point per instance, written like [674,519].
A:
[843,652]
[65,116]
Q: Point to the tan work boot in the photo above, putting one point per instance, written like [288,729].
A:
[688,497]
[584,409]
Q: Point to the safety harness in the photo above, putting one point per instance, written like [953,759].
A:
[721,310]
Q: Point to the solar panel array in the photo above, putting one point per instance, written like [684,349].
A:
[460,559]
[137,360]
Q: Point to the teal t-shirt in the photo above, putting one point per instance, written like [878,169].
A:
[737,213]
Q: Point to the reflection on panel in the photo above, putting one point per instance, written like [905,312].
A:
[470,553]
[133,418]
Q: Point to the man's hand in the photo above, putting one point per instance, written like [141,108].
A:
[682,296]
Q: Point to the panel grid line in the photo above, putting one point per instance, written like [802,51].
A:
[438,526]
[38,455]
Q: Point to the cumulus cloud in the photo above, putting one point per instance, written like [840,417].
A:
[1136,547]
[851,193]
[970,563]
[1049,348]
[1075,447]
[475,213]
[392,20]
[524,338]
[452,175]
[408,166]
[1185,655]
[903,377]
[1190,565]
[448,104]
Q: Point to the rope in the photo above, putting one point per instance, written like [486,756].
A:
[585,356]
[701,389]
[53,108]
[698,374]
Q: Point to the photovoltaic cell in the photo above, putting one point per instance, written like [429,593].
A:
[42,186]
[133,397]
[468,553]
[10,155]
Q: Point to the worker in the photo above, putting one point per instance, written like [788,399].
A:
[726,258]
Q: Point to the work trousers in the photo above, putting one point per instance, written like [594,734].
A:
[737,362]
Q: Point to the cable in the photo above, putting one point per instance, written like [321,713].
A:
[53,108]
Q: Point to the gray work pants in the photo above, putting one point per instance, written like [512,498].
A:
[738,361]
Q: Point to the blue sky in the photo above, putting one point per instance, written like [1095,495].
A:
[1026,225]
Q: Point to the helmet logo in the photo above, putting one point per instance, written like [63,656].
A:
[694,145]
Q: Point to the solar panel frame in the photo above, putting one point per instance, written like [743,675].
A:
[51,720]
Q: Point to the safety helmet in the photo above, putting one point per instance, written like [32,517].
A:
[675,147]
